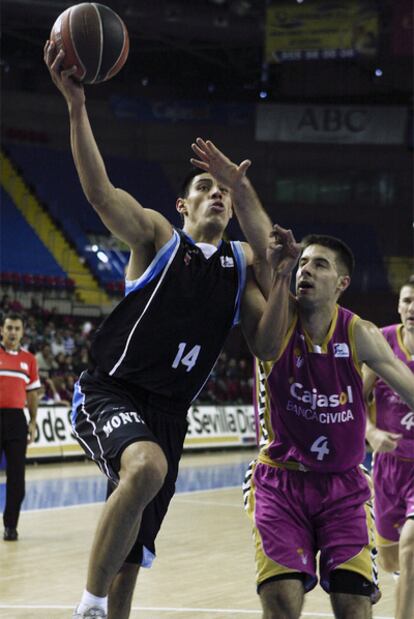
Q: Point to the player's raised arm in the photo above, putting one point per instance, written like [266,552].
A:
[119,211]
[253,219]
[265,323]
[374,350]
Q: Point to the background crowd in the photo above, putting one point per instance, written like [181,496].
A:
[61,346]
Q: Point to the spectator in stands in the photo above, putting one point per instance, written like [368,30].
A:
[10,305]
[48,394]
[152,355]
[19,383]
[232,381]
[45,361]
[245,380]
[61,388]
[57,343]
[61,364]
[68,341]
[81,360]
[49,331]
[5,303]
[87,328]
[70,384]
[31,327]
[70,368]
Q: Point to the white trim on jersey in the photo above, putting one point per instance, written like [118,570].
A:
[153,268]
[36,384]
[15,374]
[241,263]
[167,266]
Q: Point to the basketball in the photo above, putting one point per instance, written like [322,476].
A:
[94,38]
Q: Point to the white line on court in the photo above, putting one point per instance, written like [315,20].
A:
[166,609]
[176,496]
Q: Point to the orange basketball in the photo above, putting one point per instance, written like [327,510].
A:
[94,38]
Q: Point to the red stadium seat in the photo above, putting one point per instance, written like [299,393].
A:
[39,281]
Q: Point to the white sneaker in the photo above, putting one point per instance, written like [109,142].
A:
[92,612]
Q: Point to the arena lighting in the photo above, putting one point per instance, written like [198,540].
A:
[378,72]
[102,257]
[263,94]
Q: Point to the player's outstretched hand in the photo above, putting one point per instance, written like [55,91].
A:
[212,160]
[71,89]
[283,251]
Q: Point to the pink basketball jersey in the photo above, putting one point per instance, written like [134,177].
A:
[310,404]
[392,413]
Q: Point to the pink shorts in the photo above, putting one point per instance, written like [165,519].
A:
[394,495]
[298,514]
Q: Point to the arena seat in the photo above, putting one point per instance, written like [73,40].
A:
[23,256]
[53,177]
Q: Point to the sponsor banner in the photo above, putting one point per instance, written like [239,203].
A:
[143,110]
[322,29]
[337,124]
[53,434]
[213,426]
[209,426]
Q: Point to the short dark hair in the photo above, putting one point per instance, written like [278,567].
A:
[342,250]
[188,178]
[12,316]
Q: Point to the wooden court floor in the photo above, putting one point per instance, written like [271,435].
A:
[204,568]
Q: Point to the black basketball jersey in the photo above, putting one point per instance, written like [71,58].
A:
[167,332]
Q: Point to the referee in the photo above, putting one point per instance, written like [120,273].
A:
[19,382]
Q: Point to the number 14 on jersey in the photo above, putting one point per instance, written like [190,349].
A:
[188,359]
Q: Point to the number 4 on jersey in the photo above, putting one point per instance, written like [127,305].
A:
[408,421]
[320,446]
[189,360]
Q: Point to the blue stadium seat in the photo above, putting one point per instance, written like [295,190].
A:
[54,179]
[23,256]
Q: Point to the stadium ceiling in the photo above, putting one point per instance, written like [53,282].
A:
[201,47]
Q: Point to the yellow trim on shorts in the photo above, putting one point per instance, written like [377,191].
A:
[364,563]
[265,567]
[290,465]
[383,541]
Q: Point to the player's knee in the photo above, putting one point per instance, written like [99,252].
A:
[144,467]
[282,598]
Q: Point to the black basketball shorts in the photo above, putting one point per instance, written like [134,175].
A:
[106,418]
